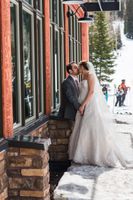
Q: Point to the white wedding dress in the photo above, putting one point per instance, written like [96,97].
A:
[92,139]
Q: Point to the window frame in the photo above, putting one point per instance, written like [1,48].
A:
[52,73]
[28,2]
[35,14]
[41,6]
[57,26]
[57,79]
[62,57]
[74,39]
[41,66]
[18,62]
[33,63]
[56,20]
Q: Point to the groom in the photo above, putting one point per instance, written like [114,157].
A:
[70,93]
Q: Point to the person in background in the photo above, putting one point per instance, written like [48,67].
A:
[124,88]
[105,92]
[119,94]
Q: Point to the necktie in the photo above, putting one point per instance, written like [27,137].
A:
[77,85]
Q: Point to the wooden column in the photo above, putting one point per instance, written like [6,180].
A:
[6,69]
[47,67]
[85,41]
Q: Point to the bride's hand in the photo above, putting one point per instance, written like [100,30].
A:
[81,109]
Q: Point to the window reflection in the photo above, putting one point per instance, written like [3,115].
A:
[62,61]
[52,68]
[39,63]
[15,95]
[55,11]
[29,1]
[57,50]
[74,40]
[27,60]
[51,9]
[28,81]
[39,4]
[61,18]
[57,72]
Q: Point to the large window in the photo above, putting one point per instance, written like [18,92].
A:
[74,39]
[27,61]
[58,70]
[57,50]
[28,65]
[16,83]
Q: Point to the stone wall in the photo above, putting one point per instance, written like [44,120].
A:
[41,131]
[28,174]
[3,176]
[28,168]
[59,132]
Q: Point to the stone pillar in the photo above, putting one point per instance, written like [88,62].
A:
[59,132]
[41,131]
[28,169]
[3,176]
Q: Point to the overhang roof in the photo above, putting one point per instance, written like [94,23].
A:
[107,5]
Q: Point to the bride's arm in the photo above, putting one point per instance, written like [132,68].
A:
[91,83]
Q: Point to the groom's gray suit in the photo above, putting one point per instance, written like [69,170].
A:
[69,99]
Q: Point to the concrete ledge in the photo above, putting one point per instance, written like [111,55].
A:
[29,142]
[3,144]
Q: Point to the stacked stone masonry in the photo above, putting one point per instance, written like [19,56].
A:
[3,176]
[28,174]
[59,132]
[42,131]
[28,169]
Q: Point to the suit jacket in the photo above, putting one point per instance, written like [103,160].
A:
[69,99]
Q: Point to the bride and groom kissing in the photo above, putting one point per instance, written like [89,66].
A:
[92,140]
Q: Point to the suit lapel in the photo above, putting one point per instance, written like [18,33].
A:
[73,83]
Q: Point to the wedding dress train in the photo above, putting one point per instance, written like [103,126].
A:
[92,140]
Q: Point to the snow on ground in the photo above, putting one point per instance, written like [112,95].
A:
[124,70]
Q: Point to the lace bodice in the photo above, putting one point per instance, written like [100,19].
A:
[83,88]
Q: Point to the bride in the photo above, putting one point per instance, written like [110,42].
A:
[91,141]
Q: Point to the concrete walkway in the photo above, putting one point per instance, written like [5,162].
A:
[99,183]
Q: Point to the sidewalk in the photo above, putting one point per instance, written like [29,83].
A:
[99,183]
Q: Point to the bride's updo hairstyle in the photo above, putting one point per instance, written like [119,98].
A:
[85,65]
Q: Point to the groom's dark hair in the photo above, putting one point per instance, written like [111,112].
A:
[69,66]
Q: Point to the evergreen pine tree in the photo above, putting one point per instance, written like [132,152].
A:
[102,49]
